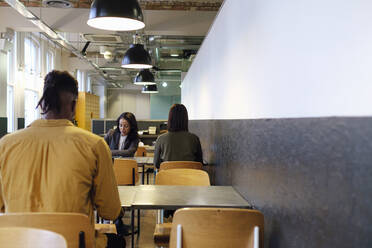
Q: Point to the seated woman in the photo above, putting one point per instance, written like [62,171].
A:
[178,144]
[123,141]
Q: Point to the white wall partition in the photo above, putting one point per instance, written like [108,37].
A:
[289,58]
[119,101]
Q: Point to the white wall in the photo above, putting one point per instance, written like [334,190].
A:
[100,90]
[289,58]
[119,101]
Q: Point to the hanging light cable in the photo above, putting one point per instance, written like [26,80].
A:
[136,57]
[116,15]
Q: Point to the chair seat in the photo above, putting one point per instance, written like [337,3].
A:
[162,234]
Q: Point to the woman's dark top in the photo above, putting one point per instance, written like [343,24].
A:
[112,138]
[177,146]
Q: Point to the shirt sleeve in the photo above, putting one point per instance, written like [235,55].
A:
[157,153]
[2,205]
[106,195]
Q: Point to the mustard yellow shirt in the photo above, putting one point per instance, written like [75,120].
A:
[53,166]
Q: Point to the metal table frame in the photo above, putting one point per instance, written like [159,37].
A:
[174,197]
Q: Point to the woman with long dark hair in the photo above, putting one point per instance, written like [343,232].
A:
[123,140]
[178,144]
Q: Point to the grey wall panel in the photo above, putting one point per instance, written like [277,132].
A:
[3,126]
[311,177]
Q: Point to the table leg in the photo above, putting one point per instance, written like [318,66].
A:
[138,222]
[132,226]
[143,173]
[160,217]
[147,178]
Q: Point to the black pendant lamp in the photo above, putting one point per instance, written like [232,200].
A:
[116,15]
[136,57]
[150,89]
[144,77]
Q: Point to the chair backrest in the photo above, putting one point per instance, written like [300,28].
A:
[126,171]
[181,165]
[26,237]
[183,177]
[217,228]
[141,152]
[69,225]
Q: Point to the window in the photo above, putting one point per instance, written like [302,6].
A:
[10,108]
[80,79]
[10,94]
[89,85]
[31,56]
[31,113]
[32,79]
[49,61]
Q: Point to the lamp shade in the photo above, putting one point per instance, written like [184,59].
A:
[116,15]
[144,77]
[150,89]
[136,57]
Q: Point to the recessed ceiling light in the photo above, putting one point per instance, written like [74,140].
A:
[164,84]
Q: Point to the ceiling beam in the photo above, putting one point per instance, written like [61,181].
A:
[186,5]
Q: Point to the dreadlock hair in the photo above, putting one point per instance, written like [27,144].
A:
[56,82]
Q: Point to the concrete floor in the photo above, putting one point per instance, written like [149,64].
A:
[145,240]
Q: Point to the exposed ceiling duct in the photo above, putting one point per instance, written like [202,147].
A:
[171,53]
[103,38]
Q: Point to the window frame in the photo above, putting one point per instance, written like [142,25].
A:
[10,103]
[32,78]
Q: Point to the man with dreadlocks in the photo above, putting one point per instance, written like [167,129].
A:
[53,166]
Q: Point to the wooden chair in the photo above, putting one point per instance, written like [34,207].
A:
[74,227]
[181,165]
[190,177]
[25,237]
[217,228]
[141,152]
[126,173]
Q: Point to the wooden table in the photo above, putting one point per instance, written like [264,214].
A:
[174,197]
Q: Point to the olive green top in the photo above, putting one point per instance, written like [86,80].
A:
[177,146]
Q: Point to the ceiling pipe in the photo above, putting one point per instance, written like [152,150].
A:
[54,36]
